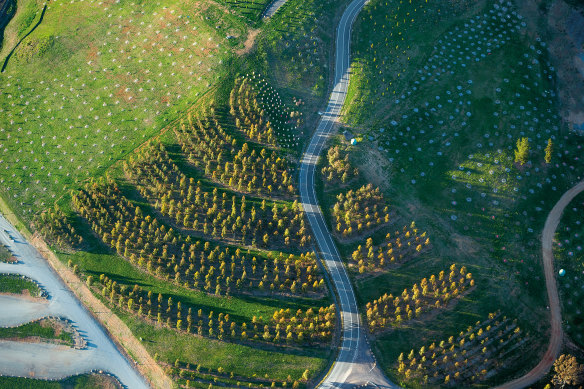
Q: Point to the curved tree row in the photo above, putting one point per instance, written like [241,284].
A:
[260,114]
[338,169]
[358,211]
[240,167]
[469,358]
[432,293]
[217,213]
[310,327]
[55,226]
[399,247]
[192,263]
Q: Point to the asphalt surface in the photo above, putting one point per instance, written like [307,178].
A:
[273,8]
[355,363]
[557,335]
[48,361]
[17,310]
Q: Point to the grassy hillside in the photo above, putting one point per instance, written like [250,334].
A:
[80,94]
[18,284]
[439,111]
[94,83]
[568,254]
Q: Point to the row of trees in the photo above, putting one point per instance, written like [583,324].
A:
[396,249]
[472,357]
[359,210]
[54,226]
[190,262]
[310,327]
[432,293]
[196,376]
[241,167]
[217,213]
[338,169]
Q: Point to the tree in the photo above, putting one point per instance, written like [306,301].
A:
[548,151]
[522,152]
[567,371]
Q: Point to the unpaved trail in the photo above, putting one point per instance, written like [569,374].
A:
[557,335]
[46,361]
[41,362]
[17,310]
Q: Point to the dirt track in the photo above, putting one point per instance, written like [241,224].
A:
[557,335]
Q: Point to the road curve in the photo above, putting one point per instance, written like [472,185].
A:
[355,363]
[272,8]
[101,353]
[557,335]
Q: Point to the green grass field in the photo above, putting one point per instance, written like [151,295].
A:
[45,329]
[17,284]
[439,111]
[93,381]
[79,98]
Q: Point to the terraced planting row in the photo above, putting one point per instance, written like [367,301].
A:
[175,220]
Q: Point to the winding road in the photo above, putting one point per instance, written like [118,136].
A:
[43,360]
[557,335]
[355,363]
[272,8]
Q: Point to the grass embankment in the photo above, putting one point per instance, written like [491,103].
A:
[17,284]
[440,112]
[86,381]
[5,254]
[21,17]
[44,329]
[294,51]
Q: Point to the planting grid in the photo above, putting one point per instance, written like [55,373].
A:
[487,88]
[100,89]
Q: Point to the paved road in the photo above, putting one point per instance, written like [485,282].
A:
[101,353]
[557,335]
[355,363]
[273,8]
[44,360]
[17,310]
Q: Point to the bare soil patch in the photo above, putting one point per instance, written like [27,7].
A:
[249,42]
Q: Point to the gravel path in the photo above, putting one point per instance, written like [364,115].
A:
[557,335]
[46,361]
[49,361]
[18,310]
